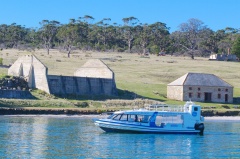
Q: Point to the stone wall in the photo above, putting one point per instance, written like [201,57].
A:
[66,85]
[217,94]
[175,92]
[33,70]
[198,93]
[18,94]
[93,78]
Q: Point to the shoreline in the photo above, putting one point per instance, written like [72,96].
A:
[67,111]
[213,118]
[225,118]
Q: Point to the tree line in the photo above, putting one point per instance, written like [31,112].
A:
[193,37]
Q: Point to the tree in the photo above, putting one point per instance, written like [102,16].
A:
[104,32]
[227,40]
[128,30]
[69,35]
[236,47]
[3,34]
[48,31]
[32,38]
[144,34]
[15,34]
[190,33]
[85,25]
[160,35]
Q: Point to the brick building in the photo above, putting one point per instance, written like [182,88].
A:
[200,87]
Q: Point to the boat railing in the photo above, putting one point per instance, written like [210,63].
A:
[164,107]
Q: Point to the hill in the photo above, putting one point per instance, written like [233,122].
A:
[146,77]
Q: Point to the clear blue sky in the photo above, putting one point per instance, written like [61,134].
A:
[216,14]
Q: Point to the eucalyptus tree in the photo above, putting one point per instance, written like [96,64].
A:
[86,26]
[15,34]
[104,32]
[189,34]
[3,35]
[68,34]
[48,32]
[236,47]
[208,42]
[128,30]
[229,35]
[117,39]
[33,38]
[160,35]
[144,35]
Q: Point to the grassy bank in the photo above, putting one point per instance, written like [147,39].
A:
[145,78]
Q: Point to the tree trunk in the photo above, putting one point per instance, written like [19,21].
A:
[69,52]
[192,55]
[144,51]
[129,46]
[48,51]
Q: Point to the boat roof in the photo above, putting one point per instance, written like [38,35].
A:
[147,112]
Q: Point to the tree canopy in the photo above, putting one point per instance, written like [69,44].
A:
[193,37]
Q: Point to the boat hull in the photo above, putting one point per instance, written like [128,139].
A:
[143,129]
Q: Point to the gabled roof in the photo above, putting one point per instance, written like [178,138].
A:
[200,79]
[94,68]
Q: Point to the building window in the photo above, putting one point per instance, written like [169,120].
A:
[190,95]
[226,90]
[199,95]
[219,96]
[190,88]
[199,88]
[219,89]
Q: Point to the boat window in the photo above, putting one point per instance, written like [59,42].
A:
[111,116]
[158,120]
[143,118]
[195,108]
[124,117]
[132,117]
[163,119]
[117,117]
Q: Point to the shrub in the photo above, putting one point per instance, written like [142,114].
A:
[154,49]
[81,104]
[1,61]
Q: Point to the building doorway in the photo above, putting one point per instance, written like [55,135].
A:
[207,97]
[226,97]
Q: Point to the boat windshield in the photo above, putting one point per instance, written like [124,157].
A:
[131,117]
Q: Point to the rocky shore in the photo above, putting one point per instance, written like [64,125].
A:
[42,111]
[36,111]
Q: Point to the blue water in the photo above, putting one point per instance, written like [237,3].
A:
[77,137]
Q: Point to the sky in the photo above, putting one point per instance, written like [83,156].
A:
[215,14]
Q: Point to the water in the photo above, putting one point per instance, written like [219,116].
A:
[78,137]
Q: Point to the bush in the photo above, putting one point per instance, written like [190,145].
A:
[81,104]
[120,49]
[1,61]
[154,49]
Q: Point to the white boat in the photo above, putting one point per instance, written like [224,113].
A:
[156,119]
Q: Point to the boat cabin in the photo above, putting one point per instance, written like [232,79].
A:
[187,120]
[155,118]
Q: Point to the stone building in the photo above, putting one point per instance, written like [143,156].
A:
[223,57]
[33,70]
[200,87]
[94,78]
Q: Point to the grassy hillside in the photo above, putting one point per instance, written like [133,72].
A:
[147,77]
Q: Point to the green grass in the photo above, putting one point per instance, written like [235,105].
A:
[145,77]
